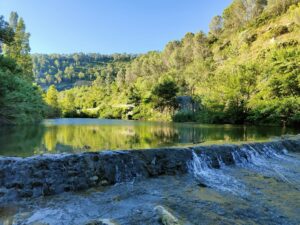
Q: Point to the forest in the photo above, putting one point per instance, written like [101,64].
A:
[21,100]
[245,70]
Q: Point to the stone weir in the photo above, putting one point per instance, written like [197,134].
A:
[52,174]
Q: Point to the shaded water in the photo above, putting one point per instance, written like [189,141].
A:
[79,135]
[263,188]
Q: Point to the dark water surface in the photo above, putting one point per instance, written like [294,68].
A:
[80,135]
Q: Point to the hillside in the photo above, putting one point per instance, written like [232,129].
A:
[67,71]
[246,70]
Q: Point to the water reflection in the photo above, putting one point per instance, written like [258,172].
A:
[78,135]
[20,140]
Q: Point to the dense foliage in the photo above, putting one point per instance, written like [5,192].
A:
[20,100]
[246,70]
[67,71]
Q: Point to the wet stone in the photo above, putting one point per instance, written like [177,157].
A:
[101,222]
[94,178]
[104,183]
[48,175]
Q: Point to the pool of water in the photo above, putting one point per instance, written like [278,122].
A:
[80,135]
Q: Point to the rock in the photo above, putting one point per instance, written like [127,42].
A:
[104,183]
[165,217]
[39,223]
[200,184]
[101,222]
[94,178]
[53,174]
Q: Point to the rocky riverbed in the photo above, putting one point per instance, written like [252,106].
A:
[246,184]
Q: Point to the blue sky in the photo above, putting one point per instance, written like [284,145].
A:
[110,26]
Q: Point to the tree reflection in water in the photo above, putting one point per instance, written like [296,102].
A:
[80,135]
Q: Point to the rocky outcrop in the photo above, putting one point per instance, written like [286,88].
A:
[52,174]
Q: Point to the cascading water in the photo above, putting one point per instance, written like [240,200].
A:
[262,159]
[200,167]
[268,161]
[248,184]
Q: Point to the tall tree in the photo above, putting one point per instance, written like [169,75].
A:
[13,20]
[52,96]
[280,6]
[216,25]
[164,95]
[242,11]
[19,48]
[6,33]
[20,101]
[51,99]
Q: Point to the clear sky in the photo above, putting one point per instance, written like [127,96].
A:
[110,26]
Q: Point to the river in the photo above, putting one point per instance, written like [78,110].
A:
[82,135]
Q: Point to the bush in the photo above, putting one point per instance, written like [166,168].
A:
[279,30]
[284,111]
[111,113]
[250,38]
[261,20]
[184,116]
[21,102]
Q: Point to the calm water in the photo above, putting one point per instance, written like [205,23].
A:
[79,135]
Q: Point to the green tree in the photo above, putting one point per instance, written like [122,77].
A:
[216,25]
[134,96]
[81,75]
[20,101]
[13,20]
[6,33]
[164,95]
[52,96]
[19,48]
[242,11]
[67,104]
[69,72]
[280,6]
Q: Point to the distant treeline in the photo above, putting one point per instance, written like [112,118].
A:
[246,70]
[65,71]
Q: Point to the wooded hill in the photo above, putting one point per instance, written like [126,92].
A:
[67,71]
[246,70]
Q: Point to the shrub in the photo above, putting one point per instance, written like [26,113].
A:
[261,20]
[184,116]
[279,30]
[250,38]
[21,102]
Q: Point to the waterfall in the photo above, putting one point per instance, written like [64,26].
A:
[201,168]
[212,166]
[269,161]
[266,159]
